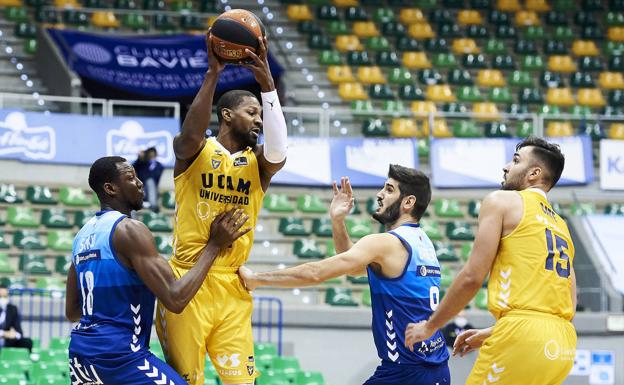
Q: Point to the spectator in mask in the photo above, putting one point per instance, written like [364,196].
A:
[149,170]
[455,327]
[11,335]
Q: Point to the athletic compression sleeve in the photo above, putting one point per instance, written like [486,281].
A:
[274,126]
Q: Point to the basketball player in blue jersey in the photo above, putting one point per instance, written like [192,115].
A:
[115,273]
[403,274]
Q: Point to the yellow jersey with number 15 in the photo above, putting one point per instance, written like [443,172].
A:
[215,182]
[532,268]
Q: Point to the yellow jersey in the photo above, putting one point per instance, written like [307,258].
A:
[532,267]
[215,182]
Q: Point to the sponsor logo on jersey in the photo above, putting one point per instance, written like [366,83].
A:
[215,163]
[222,181]
[241,161]
[428,271]
[87,256]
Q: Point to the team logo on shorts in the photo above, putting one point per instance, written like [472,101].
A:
[250,365]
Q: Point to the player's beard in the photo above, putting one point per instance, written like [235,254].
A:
[513,183]
[390,215]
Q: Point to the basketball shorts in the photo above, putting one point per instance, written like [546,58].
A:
[395,374]
[217,322]
[141,368]
[528,348]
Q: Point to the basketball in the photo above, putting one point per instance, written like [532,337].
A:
[233,32]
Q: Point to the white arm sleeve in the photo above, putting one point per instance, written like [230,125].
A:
[274,127]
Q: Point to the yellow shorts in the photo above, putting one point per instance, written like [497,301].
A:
[527,348]
[216,321]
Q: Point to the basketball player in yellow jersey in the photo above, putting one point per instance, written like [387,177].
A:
[211,176]
[527,250]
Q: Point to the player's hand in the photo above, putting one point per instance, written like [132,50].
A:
[470,340]
[260,65]
[10,334]
[214,63]
[343,201]
[416,332]
[248,278]
[227,227]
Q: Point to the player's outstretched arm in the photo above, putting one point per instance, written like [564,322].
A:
[193,132]
[471,276]
[366,251]
[72,297]
[340,207]
[272,154]
[135,243]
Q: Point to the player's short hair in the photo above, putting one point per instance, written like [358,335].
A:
[4,286]
[548,154]
[104,170]
[231,100]
[412,182]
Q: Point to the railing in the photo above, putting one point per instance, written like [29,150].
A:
[43,316]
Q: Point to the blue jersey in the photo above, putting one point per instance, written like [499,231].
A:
[412,297]
[117,307]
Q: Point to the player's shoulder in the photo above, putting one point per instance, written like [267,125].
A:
[129,228]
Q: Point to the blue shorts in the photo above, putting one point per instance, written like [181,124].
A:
[395,374]
[139,368]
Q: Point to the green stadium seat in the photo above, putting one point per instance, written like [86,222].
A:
[516,109]
[555,47]
[550,79]
[292,226]
[582,208]
[406,43]
[33,264]
[432,229]
[62,263]
[21,216]
[446,276]
[429,76]
[60,240]
[8,194]
[75,18]
[549,110]
[362,108]
[613,48]
[440,15]
[445,252]
[55,284]
[338,296]
[288,366]
[40,195]
[73,196]
[459,231]
[525,129]
[500,95]
[614,19]
[265,349]
[28,240]
[168,200]
[182,6]
[448,208]
[497,130]
[556,18]
[366,297]
[163,244]
[460,77]
[45,372]
[16,14]
[481,299]
[469,94]
[358,227]
[163,22]
[395,107]
[495,47]
[375,128]
[466,129]
[191,22]
[423,148]
[371,205]
[25,30]
[530,96]
[5,264]
[358,58]
[82,216]
[308,27]
[53,356]
[444,60]
[400,75]
[506,32]
[387,59]
[474,61]
[383,15]
[534,32]
[55,218]
[393,28]
[593,129]
[337,27]
[124,4]
[356,14]
[319,42]
[454,108]
[411,92]
[533,63]
[436,45]
[381,92]
[581,111]
[330,57]
[310,203]
[307,248]
[322,227]
[135,21]
[425,4]
[154,5]
[481,4]
[477,32]
[521,79]
[327,12]
[616,64]
[503,62]
[449,30]
[614,209]
[465,250]
[278,203]
[157,222]
[590,64]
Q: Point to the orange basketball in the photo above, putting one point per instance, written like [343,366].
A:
[233,31]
